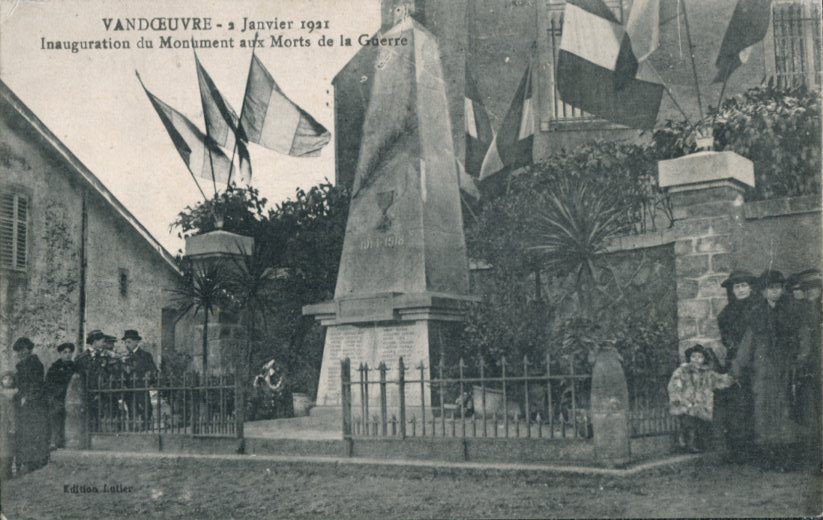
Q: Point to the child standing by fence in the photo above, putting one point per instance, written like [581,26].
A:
[691,397]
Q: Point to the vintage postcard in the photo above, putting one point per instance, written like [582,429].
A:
[410,259]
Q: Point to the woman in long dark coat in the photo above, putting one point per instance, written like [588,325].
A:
[766,357]
[32,449]
[734,405]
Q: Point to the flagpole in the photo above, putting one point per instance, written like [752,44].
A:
[720,98]
[187,167]
[669,92]
[691,55]
[203,104]
[467,206]
[242,108]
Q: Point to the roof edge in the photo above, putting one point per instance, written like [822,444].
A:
[76,165]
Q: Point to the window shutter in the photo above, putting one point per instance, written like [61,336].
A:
[14,210]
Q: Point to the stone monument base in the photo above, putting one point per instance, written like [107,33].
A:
[382,329]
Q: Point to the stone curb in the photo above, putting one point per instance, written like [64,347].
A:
[69,455]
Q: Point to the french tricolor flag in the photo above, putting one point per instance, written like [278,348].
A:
[511,147]
[598,70]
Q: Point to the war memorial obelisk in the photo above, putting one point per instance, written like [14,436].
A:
[403,277]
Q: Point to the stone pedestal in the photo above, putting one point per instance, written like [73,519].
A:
[707,198]
[403,276]
[77,420]
[225,335]
[610,410]
[417,327]
[222,248]
[224,331]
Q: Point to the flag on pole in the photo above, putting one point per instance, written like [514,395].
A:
[478,127]
[749,24]
[222,121]
[643,28]
[598,72]
[466,182]
[271,119]
[193,146]
[511,147]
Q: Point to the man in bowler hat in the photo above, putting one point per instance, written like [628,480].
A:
[140,370]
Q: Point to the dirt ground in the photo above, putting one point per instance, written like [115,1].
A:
[249,488]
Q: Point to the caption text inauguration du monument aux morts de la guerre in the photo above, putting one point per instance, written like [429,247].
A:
[196,32]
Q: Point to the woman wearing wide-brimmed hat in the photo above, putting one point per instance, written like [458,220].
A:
[765,357]
[734,406]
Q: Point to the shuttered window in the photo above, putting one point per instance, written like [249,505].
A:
[14,210]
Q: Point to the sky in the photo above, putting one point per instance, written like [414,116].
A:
[92,101]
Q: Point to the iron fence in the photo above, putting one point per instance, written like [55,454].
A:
[154,403]
[551,402]
[649,405]
[503,401]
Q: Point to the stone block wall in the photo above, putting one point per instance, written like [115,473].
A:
[716,232]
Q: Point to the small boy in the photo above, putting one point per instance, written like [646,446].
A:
[691,397]
[57,382]
[8,424]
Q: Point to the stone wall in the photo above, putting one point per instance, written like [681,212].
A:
[784,233]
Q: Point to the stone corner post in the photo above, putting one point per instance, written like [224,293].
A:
[611,423]
[706,190]
[77,418]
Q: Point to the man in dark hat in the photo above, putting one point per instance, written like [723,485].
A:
[812,282]
[57,382]
[84,362]
[795,287]
[140,370]
[108,342]
[91,364]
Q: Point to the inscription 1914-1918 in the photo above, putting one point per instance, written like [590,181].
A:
[379,242]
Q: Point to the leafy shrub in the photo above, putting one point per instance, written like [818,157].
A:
[778,129]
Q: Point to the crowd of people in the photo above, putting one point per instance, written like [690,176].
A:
[33,402]
[766,390]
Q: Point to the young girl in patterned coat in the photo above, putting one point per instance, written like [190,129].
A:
[691,397]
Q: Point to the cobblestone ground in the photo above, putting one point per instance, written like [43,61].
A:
[148,487]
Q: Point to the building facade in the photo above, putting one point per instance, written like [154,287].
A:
[72,257]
